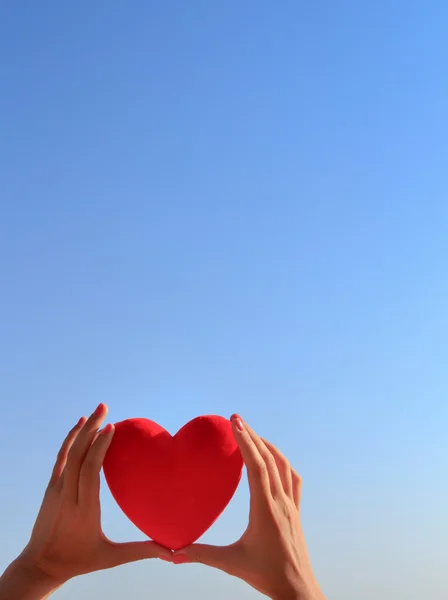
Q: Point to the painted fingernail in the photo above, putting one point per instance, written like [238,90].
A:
[180,559]
[165,558]
[238,422]
[108,429]
[99,410]
[81,421]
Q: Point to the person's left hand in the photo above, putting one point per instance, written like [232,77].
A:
[67,539]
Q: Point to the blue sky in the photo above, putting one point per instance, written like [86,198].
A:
[211,207]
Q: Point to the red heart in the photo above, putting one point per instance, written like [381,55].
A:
[173,488]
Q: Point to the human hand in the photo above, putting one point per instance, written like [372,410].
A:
[67,539]
[271,556]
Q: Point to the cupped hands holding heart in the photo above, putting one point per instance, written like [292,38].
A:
[68,541]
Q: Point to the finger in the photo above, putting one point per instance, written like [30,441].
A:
[89,475]
[48,507]
[257,473]
[120,554]
[283,466]
[271,465]
[61,458]
[224,558]
[296,487]
[78,452]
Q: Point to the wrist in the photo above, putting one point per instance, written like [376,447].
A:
[23,581]
[302,591]
[300,595]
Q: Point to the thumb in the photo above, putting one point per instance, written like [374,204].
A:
[219,557]
[121,554]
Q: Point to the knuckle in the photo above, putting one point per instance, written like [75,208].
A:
[290,512]
[90,464]
[270,463]
[297,486]
[248,441]
[296,478]
[284,461]
[259,467]
[74,454]
[278,494]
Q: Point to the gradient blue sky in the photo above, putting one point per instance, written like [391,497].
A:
[220,206]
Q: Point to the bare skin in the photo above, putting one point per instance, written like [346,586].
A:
[271,555]
[67,539]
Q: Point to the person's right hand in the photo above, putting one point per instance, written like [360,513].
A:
[271,556]
[67,539]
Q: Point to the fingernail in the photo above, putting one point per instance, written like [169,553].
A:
[165,558]
[180,559]
[99,410]
[238,422]
[109,427]
[81,421]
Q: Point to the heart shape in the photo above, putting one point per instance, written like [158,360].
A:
[173,488]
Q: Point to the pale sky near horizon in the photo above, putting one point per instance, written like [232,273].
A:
[218,207]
